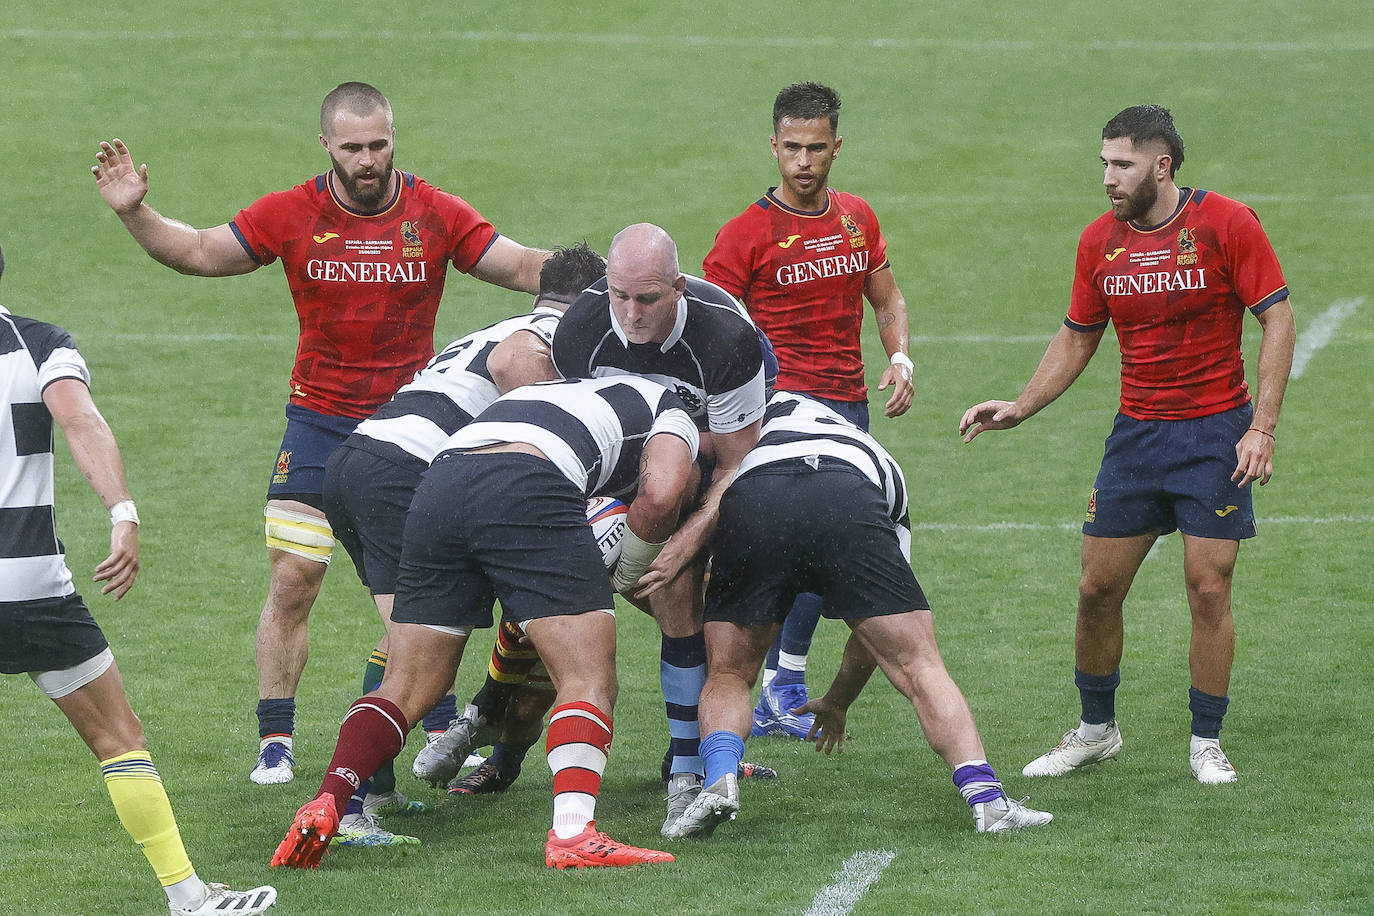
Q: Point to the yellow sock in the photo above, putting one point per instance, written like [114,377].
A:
[141,803]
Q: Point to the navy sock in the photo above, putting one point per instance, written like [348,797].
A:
[444,712]
[1208,711]
[508,758]
[771,660]
[795,638]
[1098,693]
[276,717]
[800,624]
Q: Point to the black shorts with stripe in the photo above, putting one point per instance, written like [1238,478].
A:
[47,634]
[366,498]
[489,527]
[787,528]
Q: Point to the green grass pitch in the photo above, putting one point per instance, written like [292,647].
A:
[973,130]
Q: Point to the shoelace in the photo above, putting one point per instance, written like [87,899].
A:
[1213,754]
[370,820]
[273,754]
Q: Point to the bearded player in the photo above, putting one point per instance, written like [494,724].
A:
[365,248]
[1174,270]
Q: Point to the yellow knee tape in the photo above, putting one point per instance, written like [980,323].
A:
[304,535]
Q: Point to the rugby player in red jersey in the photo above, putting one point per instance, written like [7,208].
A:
[802,259]
[365,248]
[1174,270]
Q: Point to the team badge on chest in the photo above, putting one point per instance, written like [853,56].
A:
[856,235]
[410,236]
[1187,247]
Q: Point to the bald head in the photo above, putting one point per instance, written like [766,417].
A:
[644,283]
[356,99]
[645,249]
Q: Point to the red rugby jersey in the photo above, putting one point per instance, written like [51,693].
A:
[366,286]
[1176,294]
[802,275]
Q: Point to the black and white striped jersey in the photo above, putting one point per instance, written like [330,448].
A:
[33,355]
[714,358]
[797,428]
[593,430]
[445,395]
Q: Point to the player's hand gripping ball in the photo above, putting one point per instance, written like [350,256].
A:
[607,518]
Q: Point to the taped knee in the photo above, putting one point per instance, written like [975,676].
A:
[304,535]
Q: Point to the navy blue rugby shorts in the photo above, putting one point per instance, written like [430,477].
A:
[1159,476]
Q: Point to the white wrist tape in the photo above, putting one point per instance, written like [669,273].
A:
[124,511]
[901,359]
[635,556]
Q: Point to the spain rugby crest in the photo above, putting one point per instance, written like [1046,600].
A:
[856,236]
[283,467]
[410,236]
[1187,247]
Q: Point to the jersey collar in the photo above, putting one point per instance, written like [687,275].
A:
[809,214]
[334,195]
[1184,195]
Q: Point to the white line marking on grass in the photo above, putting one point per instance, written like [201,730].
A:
[1037,200]
[1334,44]
[1075,526]
[258,337]
[213,337]
[850,883]
[1320,331]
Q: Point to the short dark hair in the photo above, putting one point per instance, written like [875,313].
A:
[568,271]
[357,98]
[805,102]
[1143,123]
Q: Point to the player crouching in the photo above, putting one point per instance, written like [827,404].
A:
[818,505]
[501,515]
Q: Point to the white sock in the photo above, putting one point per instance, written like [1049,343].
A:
[1093,732]
[768,675]
[188,892]
[1196,744]
[274,739]
[791,662]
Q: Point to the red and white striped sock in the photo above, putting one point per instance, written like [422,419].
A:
[579,741]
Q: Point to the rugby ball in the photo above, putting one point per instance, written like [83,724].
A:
[607,518]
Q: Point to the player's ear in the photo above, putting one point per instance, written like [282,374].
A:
[324,142]
[838,140]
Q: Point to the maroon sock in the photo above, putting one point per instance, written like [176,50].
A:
[373,732]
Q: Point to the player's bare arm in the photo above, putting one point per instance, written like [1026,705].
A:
[1064,361]
[509,264]
[97,457]
[199,252]
[1255,450]
[666,474]
[831,710]
[523,358]
[690,539]
[889,310]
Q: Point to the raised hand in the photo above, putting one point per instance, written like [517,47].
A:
[122,185]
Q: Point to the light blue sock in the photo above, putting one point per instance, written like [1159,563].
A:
[722,752]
